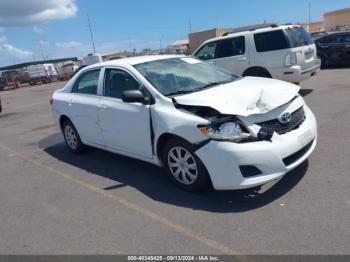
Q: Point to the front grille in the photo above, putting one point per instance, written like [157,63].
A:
[297,155]
[297,118]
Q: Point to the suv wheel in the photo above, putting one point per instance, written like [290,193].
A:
[184,167]
[72,138]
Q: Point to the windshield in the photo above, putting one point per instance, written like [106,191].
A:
[299,37]
[176,76]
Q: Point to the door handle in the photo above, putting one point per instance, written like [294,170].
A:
[347,45]
[103,106]
[324,46]
[242,58]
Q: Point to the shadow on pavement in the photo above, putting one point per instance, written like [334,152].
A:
[153,182]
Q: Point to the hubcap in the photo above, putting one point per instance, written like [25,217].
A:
[182,165]
[71,137]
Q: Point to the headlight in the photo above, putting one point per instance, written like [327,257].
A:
[227,131]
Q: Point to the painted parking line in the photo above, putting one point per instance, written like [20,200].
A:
[146,213]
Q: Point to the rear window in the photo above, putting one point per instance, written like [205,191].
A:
[298,36]
[271,41]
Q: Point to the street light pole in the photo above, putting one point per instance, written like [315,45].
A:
[91,34]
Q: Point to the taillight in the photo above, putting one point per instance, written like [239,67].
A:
[290,59]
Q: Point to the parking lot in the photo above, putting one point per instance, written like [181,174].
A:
[54,202]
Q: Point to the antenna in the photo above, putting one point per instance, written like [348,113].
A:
[309,15]
[91,34]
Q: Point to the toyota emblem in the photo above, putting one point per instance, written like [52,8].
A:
[285,118]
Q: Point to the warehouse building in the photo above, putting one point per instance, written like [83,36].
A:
[337,20]
[197,38]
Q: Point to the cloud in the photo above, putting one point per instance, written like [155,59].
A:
[38,30]
[10,51]
[44,44]
[3,39]
[31,12]
[69,45]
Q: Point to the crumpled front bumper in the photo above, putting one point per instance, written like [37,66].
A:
[223,159]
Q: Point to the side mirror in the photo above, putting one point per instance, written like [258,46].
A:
[133,96]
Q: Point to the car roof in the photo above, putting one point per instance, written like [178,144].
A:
[333,33]
[258,30]
[134,60]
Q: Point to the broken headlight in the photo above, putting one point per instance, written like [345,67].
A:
[231,130]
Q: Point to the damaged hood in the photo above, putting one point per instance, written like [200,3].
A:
[243,97]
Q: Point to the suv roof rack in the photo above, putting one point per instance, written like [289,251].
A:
[251,28]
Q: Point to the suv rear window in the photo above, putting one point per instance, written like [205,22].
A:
[271,41]
[299,37]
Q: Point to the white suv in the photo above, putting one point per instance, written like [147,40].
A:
[283,52]
[201,122]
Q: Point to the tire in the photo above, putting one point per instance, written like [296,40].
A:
[186,171]
[72,138]
[257,72]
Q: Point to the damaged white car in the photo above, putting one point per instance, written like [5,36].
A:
[205,125]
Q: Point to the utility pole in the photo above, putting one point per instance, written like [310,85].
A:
[309,15]
[91,34]
[190,25]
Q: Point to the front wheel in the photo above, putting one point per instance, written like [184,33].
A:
[184,167]
[72,138]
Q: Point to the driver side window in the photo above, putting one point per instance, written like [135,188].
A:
[117,81]
[207,52]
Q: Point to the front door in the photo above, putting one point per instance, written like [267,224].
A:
[125,126]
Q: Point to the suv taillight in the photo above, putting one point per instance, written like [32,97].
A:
[290,60]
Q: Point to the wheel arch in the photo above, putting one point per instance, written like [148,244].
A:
[62,119]
[256,69]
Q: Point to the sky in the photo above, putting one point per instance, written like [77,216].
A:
[41,29]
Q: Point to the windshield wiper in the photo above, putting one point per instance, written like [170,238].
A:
[181,92]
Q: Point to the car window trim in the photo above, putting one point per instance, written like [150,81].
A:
[79,77]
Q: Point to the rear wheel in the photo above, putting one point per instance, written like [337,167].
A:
[72,137]
[184,168]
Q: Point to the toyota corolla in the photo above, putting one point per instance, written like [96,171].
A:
[205,125]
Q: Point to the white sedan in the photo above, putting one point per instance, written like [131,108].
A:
[205,125]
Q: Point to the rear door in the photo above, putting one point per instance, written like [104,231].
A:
[346,50]
[83,105]
[333,46]
[231,55]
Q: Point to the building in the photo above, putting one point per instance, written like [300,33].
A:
[332,21]
[117,55]
[314,26]
[337,20]
[50,61]
[197,38]
[179,47]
